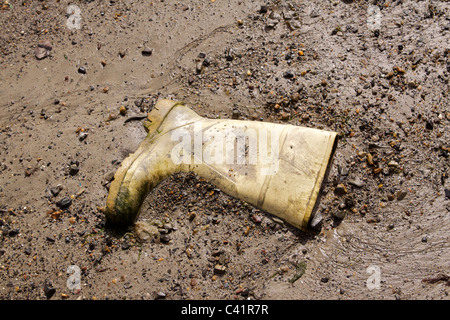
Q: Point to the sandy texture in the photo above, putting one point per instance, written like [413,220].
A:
[377,72]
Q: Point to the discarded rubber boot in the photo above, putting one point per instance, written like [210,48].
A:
[278,168]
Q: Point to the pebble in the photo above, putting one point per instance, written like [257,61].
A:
[43,50]
[73,169]
[49,290]
[82,70]
[288,75]
[357,182]
[147,52]
[123,110]
[82,136]
[401,195]
[339,214]
[447,193]
[393,164]
[64,203]
[220,269]
[340,189]
[285,115]
[316,221]
[122,53]
[369,158]
[55,191]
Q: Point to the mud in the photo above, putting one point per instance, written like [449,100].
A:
[72,112]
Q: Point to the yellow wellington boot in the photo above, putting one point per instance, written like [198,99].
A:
[278,168]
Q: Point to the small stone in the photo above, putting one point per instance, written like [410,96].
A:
[288,75]
[160,295]
[73,169]
[340,189]
[192,216]
[199,67]
[447,193]
[123,110]
[109,176]
[401,195]
[257,218]
[122,53]
[339,214]
[55,191]
[393,164]
[82,136]
[64,203]
[43,50]
[82,70]
[13,232]
[357,182]
[220,269]
[50,239]
[285,116]
[147,52]
[369,158]
[236,114]
[49,290]
[295,97]
[316,221]
[165,238]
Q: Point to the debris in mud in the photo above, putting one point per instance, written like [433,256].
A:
[48,289]
[440,277]
[447,193]
[43,50]
[147,52]
[64,203]
[300,269]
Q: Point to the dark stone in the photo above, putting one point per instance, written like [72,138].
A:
[147,52]
[447,193]
[55,191]
[82,70]
[288,75]
[50,239]
[13,232]
[49,290]
[73,169]
[64,203]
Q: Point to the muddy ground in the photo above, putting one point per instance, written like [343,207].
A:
[376,72]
